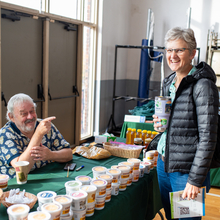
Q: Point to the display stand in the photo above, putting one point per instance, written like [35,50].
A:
[111,127]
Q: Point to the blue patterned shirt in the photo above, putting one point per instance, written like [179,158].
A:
[13,143]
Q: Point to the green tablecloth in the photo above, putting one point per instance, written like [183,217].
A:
[141,200]
[142,126]
[215,177]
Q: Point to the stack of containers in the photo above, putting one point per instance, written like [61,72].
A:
[45,197]
[65,201]
[147,166]
[125,173]
[142,169]
[109,179]
[98,170]
[131,165]
[78,206]
[100,193]
[91,191]
[136,171]
[149,157]
[155,157]
[116,173]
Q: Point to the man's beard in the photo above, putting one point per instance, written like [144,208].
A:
[29,129]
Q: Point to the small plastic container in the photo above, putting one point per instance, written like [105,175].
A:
[4,181]
[147,167]
[108,178]
[72,186]
[99,203]
[149,161]
[18,211]
[79,199]
[115,188]
[123,185]
[98,170]
[85,180]
[53,208]
[108,195]
[130,164]
[90,209]
[45,197]
[39,215]
[142,169]
[136,174]
[91,191]
[136,163]
[65,201]
[67,217]
[149,155]
[101,187]
[116,173]
[129,182]
[125,171]
[79,215]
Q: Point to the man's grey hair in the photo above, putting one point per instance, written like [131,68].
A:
[17,99]
[179,33]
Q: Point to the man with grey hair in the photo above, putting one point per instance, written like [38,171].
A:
[26,138]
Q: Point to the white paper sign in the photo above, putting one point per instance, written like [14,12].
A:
[184,208]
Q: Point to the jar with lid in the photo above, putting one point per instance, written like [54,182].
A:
[147,142]
[128,136]
[138,141]
[133,135]
[149,134]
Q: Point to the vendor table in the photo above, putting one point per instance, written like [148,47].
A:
[215,177]
[141,200]
[137,125]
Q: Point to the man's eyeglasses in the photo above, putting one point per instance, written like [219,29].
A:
[177,50]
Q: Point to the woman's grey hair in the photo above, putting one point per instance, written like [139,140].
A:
[185,34]
[17,99]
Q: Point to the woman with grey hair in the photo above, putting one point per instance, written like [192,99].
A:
[186,147]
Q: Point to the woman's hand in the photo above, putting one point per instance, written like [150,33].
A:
[157,123]
[190,191]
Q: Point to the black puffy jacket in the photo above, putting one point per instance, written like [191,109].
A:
[192,129]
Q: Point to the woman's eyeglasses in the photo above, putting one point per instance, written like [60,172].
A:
[177,50]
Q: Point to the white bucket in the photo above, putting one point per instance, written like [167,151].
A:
[101,187]
[79,215]
[98,170]
[79,199]
[123,185]
[108,178]
[149,155]
[115,188]
[39,215]
[108,195]
[136,174]
[90,208]
[142,169]
[91,191]
[130,164]
[125,171]
[136,163]
[72,186]
[116,173]
[147,167]
[65,201]
[45,197]
[85,180]
[53,208]
[18,211]
[100,203]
